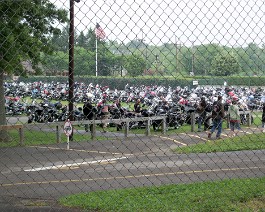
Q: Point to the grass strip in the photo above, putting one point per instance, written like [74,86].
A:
[226,195]
[32,137]
[246,142]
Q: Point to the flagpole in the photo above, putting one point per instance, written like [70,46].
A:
[100,34]
[96,52]
[96,56]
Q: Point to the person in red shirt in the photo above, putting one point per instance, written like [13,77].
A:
[104,113]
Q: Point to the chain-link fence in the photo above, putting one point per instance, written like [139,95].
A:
[132,105]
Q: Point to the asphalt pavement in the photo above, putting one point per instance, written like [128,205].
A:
[33,178]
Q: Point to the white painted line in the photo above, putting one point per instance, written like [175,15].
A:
[82,180]
[196,136]
[80,150]
[70,165]
[245,132]
[171,139]
[252,128]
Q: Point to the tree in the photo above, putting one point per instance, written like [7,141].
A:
[55,63]
[60,40]
[255,55]
[25,29]
[82,40]
[91,40]
[204,57]
[225,64]
[135,64]
[85,62]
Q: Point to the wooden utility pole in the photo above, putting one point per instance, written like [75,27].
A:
[71,63]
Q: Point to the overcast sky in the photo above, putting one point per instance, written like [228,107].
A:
[233,23]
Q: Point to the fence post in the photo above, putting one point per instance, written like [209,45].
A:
[127,128]
[249,119]
[164,126]
[21,135]
[58,134]
[192,120]
[93,133]
[147,129]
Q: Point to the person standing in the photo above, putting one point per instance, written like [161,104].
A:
[117,104]
[201,110]
[137,106]
[217,118]
[104,113]
[117,112]
[234,117]
[88,113]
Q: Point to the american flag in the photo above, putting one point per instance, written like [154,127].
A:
[99,32]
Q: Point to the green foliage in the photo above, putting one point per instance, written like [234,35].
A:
[120,82]
[135,64]
[25,27]
[60,40]
[82,40]
[225,64]
[91,40]
[58,61]
[253,59]
[204,55]
[104,60]
[84,62]
[169,59]
[25,30]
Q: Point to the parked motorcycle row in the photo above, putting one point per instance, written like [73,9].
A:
[176,104]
